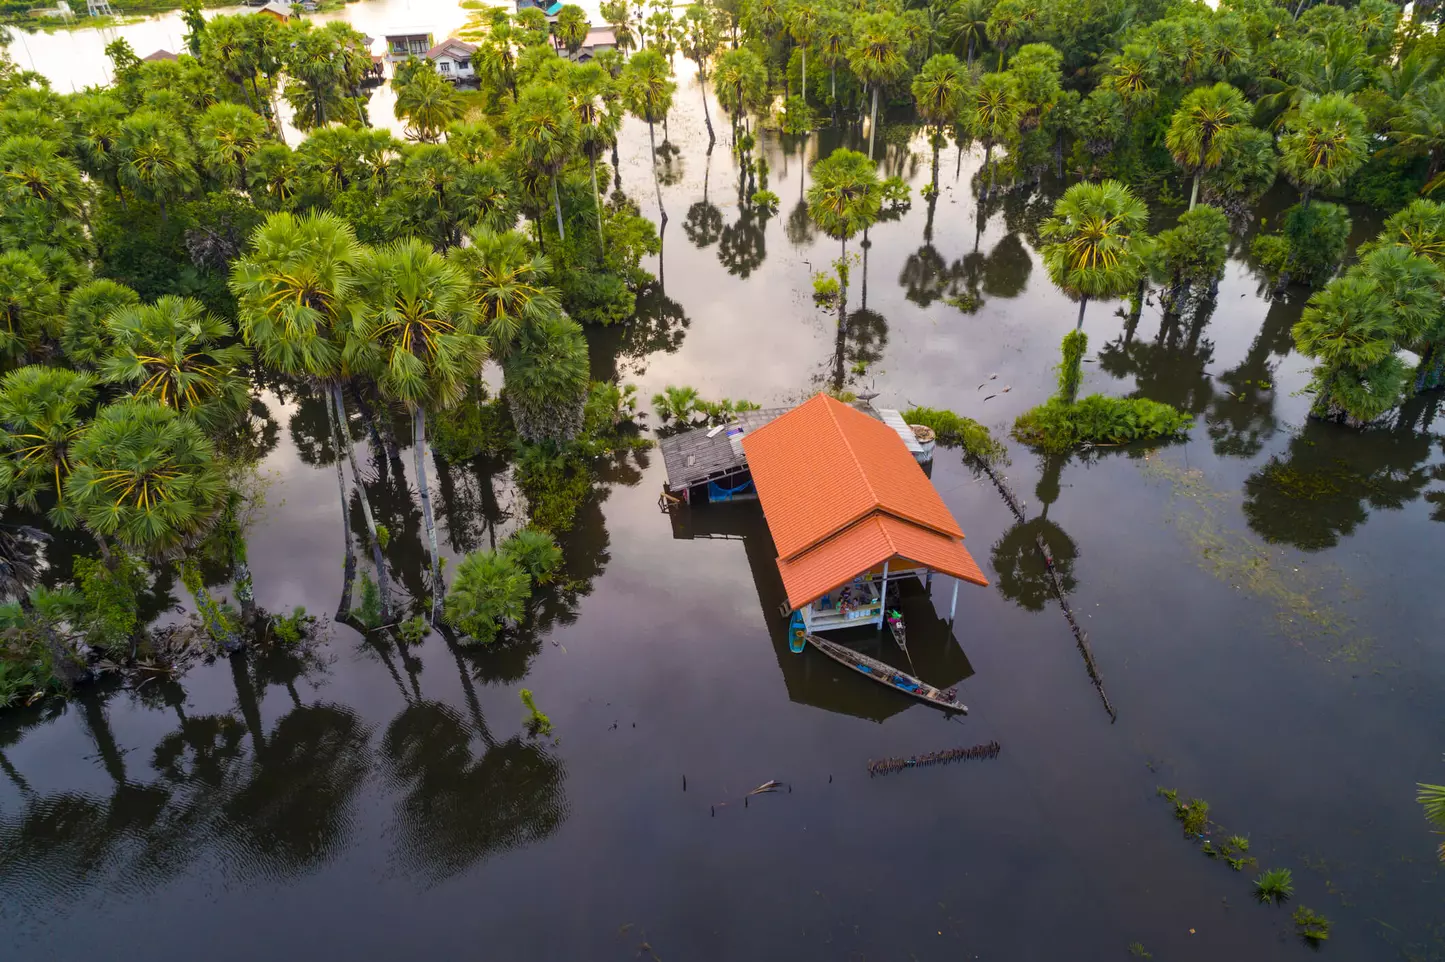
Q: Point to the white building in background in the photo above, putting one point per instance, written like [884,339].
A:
[453,59]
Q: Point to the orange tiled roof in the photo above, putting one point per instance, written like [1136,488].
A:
[866,545]
[824,466]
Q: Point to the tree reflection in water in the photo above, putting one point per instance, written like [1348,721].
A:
[1241,417]
[1022,576]
[703,223]
[742,247]
[1326,481]
[1003,272]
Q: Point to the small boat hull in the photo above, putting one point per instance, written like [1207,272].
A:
[887,675]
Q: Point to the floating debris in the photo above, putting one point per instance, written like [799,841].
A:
[889,765]
[769,786]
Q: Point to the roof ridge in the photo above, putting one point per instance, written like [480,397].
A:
[848,443]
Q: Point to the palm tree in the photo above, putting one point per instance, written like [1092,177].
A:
[510,286]
[495,61]
[147,476]
[597,123]
[845,198]
[43,411]
[877,58]
[700,38]
[176,352]
[29,306]
[35,176]
[272,176]
[427,103]
[647,90]
[99,117]
[938,91]
[1134,76]
[1199,133]
[1006,24]
[415,333]
[547,380]
[228,135]
[544,134]
[1323,144]
[967,23]
[295,298]
[571,28]
[833,36]
[1419,128]
[741,85]
[801,19]
[85,339]
[991,112]
[1347,328]
[156,160]
[1092,242]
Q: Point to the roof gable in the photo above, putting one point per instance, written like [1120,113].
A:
[824,466]
[452,47]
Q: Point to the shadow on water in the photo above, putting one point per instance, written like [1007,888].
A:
[809,677]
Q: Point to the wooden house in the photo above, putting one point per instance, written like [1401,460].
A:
[850,512]
[275,10]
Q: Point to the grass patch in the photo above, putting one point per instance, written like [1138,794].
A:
[1311,926]
[956,431]
[1274,886]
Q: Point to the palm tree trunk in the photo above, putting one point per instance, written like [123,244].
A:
[376,556]
[1083,303]
[803,49]
[418,420]
[656,180]
[92,713]
[706,114]
[937,146]
[1422,373]
[557,206]
[597,199]
[1194,191]
[873,124]
[1304,197]
[970,51]
[843,281]
[833,86]
[988,162]
[13,774]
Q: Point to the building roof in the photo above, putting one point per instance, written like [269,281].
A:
[842,494]
[596,35]
[277,9]
[865,546]
[824,465]
[159,55]
[451,46]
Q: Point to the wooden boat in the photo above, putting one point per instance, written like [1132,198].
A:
[797,633]
[887,675]
[895,625]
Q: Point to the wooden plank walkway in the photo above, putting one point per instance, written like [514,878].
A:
[706,453]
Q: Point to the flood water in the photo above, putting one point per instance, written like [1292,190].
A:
[1263,602]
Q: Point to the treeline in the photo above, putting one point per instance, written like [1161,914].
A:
[163,250]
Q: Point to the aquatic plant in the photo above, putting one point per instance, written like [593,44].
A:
[490,588]
[1137,950]
[1312,927]
[956,431]
[413,630]
[1070,369]
[765,200]
[290,629]
[383,535]
[555,481]
[1274,886]
[1432,799]
[109,598]
[537,722]
[825,290]
[368,613]
[1057,426]
[535,551]
[1193,815]
[675,403]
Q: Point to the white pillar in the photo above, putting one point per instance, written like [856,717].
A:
[952,605]
[883,597]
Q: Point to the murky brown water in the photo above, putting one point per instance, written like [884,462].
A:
[1277,656]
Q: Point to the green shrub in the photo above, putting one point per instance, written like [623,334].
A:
[1070,369]
[956,431]
[1193,815]
[489,588]
[474,427]
[109,599]
[535,551]
[1312,927]
[556,481]
[1059,426]
[368,613]
[825,290]
[290,629]
[413,630]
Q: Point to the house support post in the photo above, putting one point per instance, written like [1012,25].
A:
[883,597]
[953,605]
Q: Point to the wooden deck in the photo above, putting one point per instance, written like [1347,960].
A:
[707,454]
